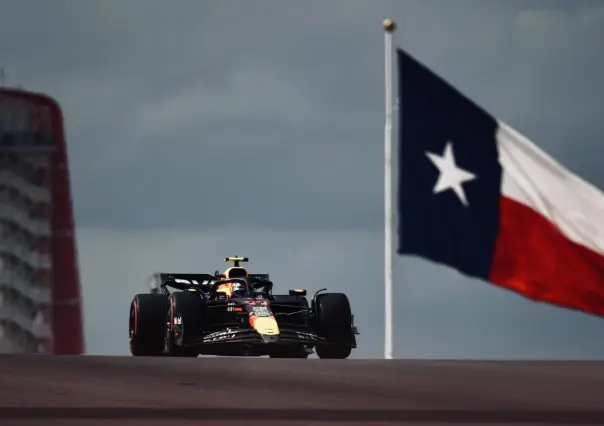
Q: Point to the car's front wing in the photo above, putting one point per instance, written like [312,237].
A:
[251,336]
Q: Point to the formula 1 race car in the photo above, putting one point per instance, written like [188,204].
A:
[237,314]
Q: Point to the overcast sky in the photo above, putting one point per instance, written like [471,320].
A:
[200,129]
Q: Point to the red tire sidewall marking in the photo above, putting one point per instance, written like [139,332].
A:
[135,327]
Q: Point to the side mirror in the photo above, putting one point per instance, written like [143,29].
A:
[297,292]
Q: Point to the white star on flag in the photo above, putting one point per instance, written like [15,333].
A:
[451,176]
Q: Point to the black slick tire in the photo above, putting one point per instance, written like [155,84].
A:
[189,308]
[147,324]
[333,322]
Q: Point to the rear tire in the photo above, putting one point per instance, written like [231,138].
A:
[333,322]
[190,308]
[146,324]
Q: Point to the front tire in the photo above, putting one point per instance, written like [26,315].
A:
[333,322]
[189,308]
[146,324]
[333,351]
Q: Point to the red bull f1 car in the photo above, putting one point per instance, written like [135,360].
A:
[235,313]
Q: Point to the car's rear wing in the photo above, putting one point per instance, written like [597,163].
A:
[159,279]
[192,278]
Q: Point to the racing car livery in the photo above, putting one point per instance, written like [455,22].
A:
[235,313]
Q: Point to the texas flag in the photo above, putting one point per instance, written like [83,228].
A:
[478,196]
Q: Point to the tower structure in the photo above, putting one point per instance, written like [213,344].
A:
[40,301]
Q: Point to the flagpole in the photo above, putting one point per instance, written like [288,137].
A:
[389,27]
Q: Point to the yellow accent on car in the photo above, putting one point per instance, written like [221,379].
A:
[235,259]
[266,325]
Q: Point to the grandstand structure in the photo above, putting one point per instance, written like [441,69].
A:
[40,301]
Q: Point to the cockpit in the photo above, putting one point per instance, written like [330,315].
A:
[236,271]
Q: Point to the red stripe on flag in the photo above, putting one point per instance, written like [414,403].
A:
[533,258]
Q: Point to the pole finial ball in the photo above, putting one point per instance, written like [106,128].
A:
[389,25]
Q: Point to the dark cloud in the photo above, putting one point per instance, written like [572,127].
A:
[278,104]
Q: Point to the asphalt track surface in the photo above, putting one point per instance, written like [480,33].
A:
[90,390]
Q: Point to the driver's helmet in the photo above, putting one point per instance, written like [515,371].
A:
[238,290]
